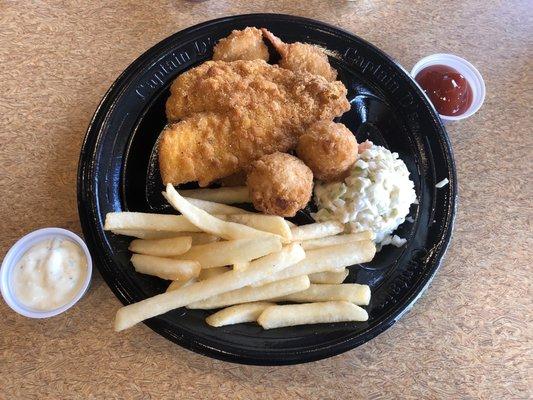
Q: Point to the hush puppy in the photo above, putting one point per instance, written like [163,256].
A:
[280,184]
[329,149]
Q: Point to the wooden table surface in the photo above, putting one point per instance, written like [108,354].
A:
[469,337]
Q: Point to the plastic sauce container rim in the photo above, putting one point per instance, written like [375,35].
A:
[17,251]
[444,59]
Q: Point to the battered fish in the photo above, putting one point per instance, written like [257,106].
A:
[255,87]
[232,113]
[241,45]
[246,44]
[302,57]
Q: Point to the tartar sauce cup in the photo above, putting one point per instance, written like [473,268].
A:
[18,250]
[466,69]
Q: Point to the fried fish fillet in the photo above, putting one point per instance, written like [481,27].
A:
[246,44]
[252,87]
[302,57]
[231,113]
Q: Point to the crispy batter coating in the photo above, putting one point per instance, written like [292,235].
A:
[241,87]
[329,149]
[234,112]
[199,148]
[241,45]
[280,184]
[302,57]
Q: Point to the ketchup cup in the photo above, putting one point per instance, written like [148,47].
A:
[466,69]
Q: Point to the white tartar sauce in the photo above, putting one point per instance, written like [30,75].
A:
[49,274]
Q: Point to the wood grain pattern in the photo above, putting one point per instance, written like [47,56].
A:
[469,337]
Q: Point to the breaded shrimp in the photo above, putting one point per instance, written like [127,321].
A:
[302,57]
[241,45]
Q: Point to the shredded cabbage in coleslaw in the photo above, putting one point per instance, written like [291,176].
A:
[376,196]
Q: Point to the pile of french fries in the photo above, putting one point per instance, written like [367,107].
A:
[220,256]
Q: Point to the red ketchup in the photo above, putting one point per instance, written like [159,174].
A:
[448,90]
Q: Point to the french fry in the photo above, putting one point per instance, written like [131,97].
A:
[240,266]
[266,223]
[177,284]
[146,221]
[250,294]
[262,222]
[202,238]
[238,314]
[316,230]
[208,223]
[310,313]
[291,224]
[161,247]
[225,195]
[148,234]
[165,268]
[259,269]
[335,240]
[197,237]
[230,252]
[329,277]
[207,273]
[352,292]
[332,258]
[216,208]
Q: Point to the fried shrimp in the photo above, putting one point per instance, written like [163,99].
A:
[302,57]
[241,45]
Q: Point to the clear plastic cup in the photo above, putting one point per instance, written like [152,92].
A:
[17,251]
[470,72]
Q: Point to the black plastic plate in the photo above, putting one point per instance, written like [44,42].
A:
[387,108]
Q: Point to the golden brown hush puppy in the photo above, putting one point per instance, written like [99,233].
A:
[280,184]
[329,149]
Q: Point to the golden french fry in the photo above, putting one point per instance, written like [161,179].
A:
[250,294]
[145,221]
[165,268]
[240,266]
[352,292]
[266,223]
[311,313]
[197,237]
[208,223]
[161,247]
[146,234]
[207,273]
[259,269]
[238,314]
[230,252]
[225,195]
[177,284]
[329,277]
[335,240]
[331,258]
[291,224]
[216,208]
[202,238]
[316,230]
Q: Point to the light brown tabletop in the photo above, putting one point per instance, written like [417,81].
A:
[468,337]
